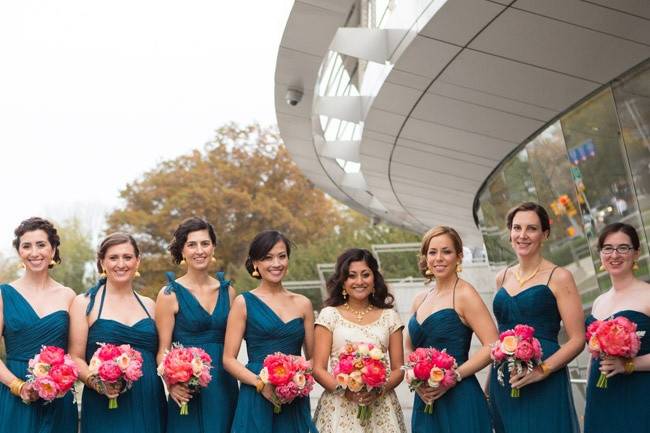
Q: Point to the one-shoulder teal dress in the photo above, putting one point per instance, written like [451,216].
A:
[462,408]
[141,409]
[211,410]
[24,333]
[265,334]
[623,405]
[544,406]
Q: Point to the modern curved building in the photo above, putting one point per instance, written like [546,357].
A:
[422,113]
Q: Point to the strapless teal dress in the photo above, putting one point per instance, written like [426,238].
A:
[140,409]
[545,406]
[24,333]
[265,334]
[462,408]
[622,406]
[211,410]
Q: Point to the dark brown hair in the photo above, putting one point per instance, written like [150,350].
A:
[381,297]
[112,240]
[619,227]
[37,223]
[530,206]
[261,245]
[426,240]
[191,224]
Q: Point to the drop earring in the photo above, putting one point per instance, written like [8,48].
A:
[182,262]
[601,268]
[345,294]
[213,260]
[429,273]
[459,267]
[255,273]
[635,266]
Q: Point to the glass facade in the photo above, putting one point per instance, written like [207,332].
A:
[590,168]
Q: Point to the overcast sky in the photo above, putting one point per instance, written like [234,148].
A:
[93,94]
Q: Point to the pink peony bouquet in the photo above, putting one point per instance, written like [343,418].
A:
[432,367]
[290,376]
[188,365]
[116,365]
[51,373]
[517,349]
[361,366]
[613,337]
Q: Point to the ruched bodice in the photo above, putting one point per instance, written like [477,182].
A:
[24,333]
[444,329]
[265,334]
[211,410]
[549,399]
[140,408]
[622,406]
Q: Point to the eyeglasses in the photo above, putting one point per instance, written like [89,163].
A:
[621,249]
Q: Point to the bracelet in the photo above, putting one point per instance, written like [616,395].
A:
[628,366]
[546,370]
[16,386]
[259,385]
[458,376]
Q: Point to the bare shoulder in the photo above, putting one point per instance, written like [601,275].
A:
[418,300]
[147,301]
[562,277]
[466,290]
[303,302]
[501,276]
[80,301]
[68,293]
[232,293]
[239,303]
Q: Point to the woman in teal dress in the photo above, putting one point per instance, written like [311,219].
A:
[33,313]
[112,312]
[535,292]
[271,319]
[445,317]
[193,311]
[622,406]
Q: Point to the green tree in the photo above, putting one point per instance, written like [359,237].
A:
[77,256]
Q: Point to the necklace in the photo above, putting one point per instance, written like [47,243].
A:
[523,280]
[358,314]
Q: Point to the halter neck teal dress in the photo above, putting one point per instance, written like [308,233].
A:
[24,333]
[623,405]
[140,409]
[462,408]
[265,334]
[211,410]
[544,406]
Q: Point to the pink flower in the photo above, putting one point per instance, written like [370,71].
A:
[109,371]
[506,333]
[524,331]
[280,369]
[525,351]
[46,388]
[108,352]
[346,364]
[64,376]
[537,349]
[496,353]
[449,379]
[373,373]
[422,369]
[205,378]
[133,371]
[52,355]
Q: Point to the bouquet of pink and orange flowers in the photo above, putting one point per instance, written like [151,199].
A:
[517,349]
[613,337]
[188,365]
[359,366]
[113,364]
[290,375]
[51,373]
[435,368]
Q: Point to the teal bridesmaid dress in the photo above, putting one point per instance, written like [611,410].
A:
[211,410]
[140,409]
[24,333]
[462,408]
[622,406]
[544,406]
[265,334]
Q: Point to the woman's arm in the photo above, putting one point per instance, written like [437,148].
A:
[308,321]
[396,355]
[166,309]
[322,350]
[234,336]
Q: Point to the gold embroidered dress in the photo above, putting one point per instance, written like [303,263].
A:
[334,413]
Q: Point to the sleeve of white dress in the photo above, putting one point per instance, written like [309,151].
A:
[395,321]
[326,318]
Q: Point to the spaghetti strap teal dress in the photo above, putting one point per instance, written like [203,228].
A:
[211,410]
[140,409]
[265,334]
[544,406]
[623,405]
[462,408]
[24,333]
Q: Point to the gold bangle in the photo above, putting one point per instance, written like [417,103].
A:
[546,370]
[259,385]
[16,386]
[628,366]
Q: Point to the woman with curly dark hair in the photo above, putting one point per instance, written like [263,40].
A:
[359,309]
[33,313]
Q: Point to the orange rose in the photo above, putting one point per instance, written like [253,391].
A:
[509,344]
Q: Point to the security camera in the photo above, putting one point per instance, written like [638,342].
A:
[294,96]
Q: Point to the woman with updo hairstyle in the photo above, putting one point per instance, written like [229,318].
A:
[622,406]
[445,317]
[33,313]
[271,319]
[538,293]
[359,309]
[112,312]
[192,310]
